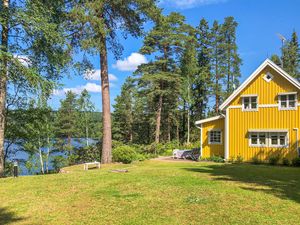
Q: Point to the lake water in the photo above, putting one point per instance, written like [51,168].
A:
[23,157]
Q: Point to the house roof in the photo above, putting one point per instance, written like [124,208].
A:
[266,63]
[209,119]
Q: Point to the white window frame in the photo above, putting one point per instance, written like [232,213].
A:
[287,101]
[215,143]
[250,103]
[266,77]
[268,140]
[278,134]
[257,137]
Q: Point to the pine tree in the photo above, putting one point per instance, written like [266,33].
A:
[217,63]
[67,116]
[291,56]
[232,59]
[189,71]
[161,76]
[203,81]
[98,22]
[123,112]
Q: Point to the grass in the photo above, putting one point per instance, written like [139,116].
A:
[154,192]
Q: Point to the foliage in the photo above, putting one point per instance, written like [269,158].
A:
[286,162]
[124,154]
[59,162]
[215,158]
[274,160]
[89,153]
[256,160]
[239,159]
[296,162]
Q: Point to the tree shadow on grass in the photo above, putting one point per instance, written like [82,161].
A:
[282,182]
[8,217]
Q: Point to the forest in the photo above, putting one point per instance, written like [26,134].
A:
[190,72]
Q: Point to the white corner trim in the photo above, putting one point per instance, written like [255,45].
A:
[201,140]
[209,119]
[227,135]
[267,62]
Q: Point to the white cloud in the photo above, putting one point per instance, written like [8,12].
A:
[131,62]
[90,87]
[95,75]
[186,4]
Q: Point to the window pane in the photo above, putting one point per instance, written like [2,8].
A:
[262,139]
[283,97]
[291,97]
[274,140]
[253,99]
[253,105]
[282,140]
[283,104]
[254,139]
[292,104]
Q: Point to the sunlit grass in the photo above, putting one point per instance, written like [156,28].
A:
[154,192]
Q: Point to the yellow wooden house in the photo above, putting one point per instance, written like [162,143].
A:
[259,119]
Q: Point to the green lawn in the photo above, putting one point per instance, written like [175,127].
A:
[155,192]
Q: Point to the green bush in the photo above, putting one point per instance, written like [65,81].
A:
[256,160]
[239,159]
[296,161]
[89,153]
[285,162]
[215,159]
[273,160]
[125,154]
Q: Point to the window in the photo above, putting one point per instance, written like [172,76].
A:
[268,139]
[287,101]
[215,137]
[278,139]
[250,103]
[258,139]
[268,77]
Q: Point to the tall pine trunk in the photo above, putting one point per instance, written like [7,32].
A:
[158,118]
[188,112]
[106,141]
[217,88]
[3,84]
[169,127]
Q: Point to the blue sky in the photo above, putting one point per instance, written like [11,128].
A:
[259,22]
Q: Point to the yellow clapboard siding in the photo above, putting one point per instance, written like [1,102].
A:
[267,91]
[270,117]
[209,150]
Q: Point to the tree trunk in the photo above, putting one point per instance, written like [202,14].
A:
[86,131]
[158,119]
[3,84]
[188,113]
[169,127]
[106,141]
[48,153]
[41,157]
[217,88]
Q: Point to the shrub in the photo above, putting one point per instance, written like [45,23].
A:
[256,160]
[239,159]
[124,154]
[215,159]
[232,159]
[273,160]
[89,153]
[296,161]
[285,162]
